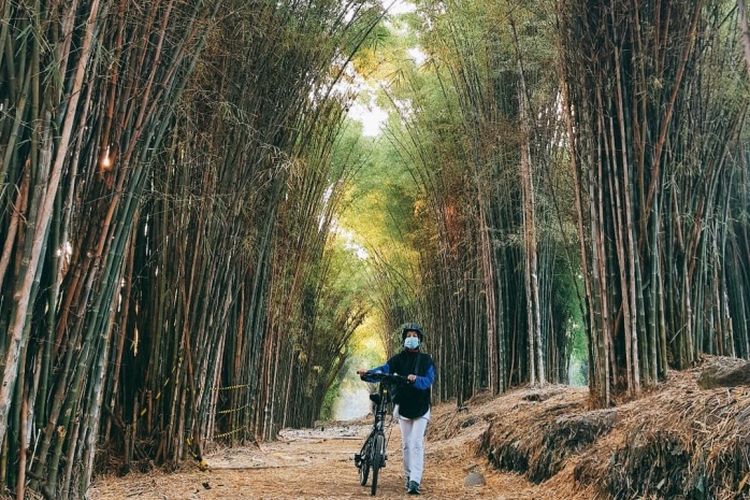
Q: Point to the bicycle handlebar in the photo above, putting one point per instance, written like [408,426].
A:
[379,377]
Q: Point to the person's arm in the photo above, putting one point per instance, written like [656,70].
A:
[424,382]
[386,368]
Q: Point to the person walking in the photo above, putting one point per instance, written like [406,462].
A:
[412,400]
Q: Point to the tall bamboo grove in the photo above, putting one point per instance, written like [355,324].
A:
[85,89]
[654,105]
[481,137]
[148,151]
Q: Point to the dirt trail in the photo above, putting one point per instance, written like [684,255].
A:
[317,463]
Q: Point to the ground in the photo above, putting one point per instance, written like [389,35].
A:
[674,440]
[317,463]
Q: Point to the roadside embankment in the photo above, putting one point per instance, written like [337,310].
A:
[676,440]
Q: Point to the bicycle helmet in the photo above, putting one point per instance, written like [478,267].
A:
[412,327]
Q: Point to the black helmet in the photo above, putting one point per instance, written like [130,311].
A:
[411,327]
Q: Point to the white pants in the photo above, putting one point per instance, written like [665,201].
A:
[412,444]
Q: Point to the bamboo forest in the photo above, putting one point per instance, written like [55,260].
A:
[213,213]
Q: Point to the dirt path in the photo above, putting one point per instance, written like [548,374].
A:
[318,464]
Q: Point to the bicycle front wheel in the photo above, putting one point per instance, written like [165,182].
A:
[365,458]
[364,470]
[377,460]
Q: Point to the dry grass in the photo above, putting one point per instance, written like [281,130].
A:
[675,441]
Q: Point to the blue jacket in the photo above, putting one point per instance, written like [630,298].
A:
[413,399]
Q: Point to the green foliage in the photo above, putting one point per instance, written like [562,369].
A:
[329,401]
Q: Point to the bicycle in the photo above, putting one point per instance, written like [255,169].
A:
[373,455]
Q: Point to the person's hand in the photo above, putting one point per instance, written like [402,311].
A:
[361,371]
[411,378]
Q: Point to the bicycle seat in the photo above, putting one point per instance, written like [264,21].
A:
[375,398]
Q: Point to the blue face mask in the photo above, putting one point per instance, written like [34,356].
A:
[411,342]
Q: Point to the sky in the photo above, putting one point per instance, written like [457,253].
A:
[399,7]
[370,115]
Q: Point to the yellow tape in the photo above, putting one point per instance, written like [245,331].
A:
[232,410]
[231,387]
[228,433]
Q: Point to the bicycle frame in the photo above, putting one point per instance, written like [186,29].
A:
[381,399]
[373,454]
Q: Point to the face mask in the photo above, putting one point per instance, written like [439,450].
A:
[411,342]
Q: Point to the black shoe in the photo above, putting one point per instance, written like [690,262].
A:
[413,488]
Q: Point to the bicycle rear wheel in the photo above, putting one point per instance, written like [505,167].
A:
[378,460]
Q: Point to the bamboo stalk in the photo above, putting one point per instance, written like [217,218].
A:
[22,294]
